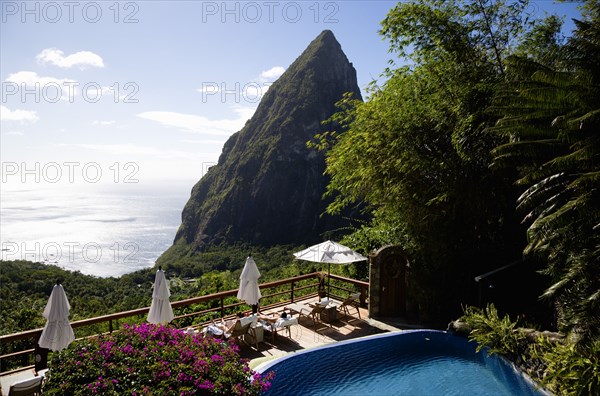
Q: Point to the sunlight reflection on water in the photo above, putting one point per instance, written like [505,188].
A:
[104,232]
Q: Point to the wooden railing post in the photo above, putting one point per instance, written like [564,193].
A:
[23,353]
[292,293]
[25,359]
[363,295]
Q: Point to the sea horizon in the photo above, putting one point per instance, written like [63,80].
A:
[101,230]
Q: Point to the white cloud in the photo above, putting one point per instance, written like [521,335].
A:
[24,116]
[272,74]
[31,78]
[47,88]
[209,88]
[203,141]
[103,123]
[81,59]
[244,113]
[93,92]
[266,78]
[249,92]
[14,133]
[200,124]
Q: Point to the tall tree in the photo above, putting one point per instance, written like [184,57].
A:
[418,151]
[551,114]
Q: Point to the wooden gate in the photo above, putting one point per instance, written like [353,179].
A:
[388,282]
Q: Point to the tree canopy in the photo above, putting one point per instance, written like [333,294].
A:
[491,116]
[418,151]
[550,108]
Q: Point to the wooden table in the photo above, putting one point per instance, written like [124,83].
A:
[329,314]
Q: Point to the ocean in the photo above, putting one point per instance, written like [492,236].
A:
[101,230]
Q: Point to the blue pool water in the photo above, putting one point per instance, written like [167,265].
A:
[421,362]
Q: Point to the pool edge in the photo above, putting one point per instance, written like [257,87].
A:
[261,368]
[265,366]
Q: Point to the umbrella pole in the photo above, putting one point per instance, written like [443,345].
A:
[328,280]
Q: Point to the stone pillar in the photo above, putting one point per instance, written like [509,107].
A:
[374,286]
[388,269]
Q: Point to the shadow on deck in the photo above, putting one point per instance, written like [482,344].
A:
[307,335]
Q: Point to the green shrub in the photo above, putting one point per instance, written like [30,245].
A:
[565,368]
[571,370]
[152,360]
[498,334]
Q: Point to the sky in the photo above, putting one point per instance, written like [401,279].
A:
[146,92]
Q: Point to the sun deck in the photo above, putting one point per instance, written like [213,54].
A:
[307,335]
[276,295]
[304,335]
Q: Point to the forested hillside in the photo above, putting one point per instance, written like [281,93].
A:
[25,286]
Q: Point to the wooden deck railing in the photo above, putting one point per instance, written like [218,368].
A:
[274,294]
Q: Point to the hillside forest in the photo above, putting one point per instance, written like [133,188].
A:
[477,147]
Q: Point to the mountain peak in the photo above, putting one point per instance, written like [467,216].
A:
[326,37]
[325,46]
[267,186]
[326,34]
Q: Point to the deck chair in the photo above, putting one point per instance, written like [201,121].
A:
[280,325]
[242,327]
[29,387]
[306,310]
[351,301]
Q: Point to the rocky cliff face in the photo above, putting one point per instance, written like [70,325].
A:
[267,186]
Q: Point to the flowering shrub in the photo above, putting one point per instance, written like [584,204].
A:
[152,360]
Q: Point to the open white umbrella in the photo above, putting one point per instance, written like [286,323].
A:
[57,333]
[249,290]
[329,252]
[160,310]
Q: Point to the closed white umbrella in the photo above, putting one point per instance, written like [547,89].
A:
[329,252]
[160,310]
[249,290]
[57,333]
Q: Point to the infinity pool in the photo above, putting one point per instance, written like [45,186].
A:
[420,362]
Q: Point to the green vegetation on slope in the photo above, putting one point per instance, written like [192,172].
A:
[26,286]
[267,186]
[418,153]
[490,97]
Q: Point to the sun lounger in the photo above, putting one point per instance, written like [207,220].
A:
[242,327]
[313,311]
[351,301]
[280,324]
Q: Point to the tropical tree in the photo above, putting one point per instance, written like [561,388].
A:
[417,153]
[551,115]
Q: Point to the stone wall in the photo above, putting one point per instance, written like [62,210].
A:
[389,262]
